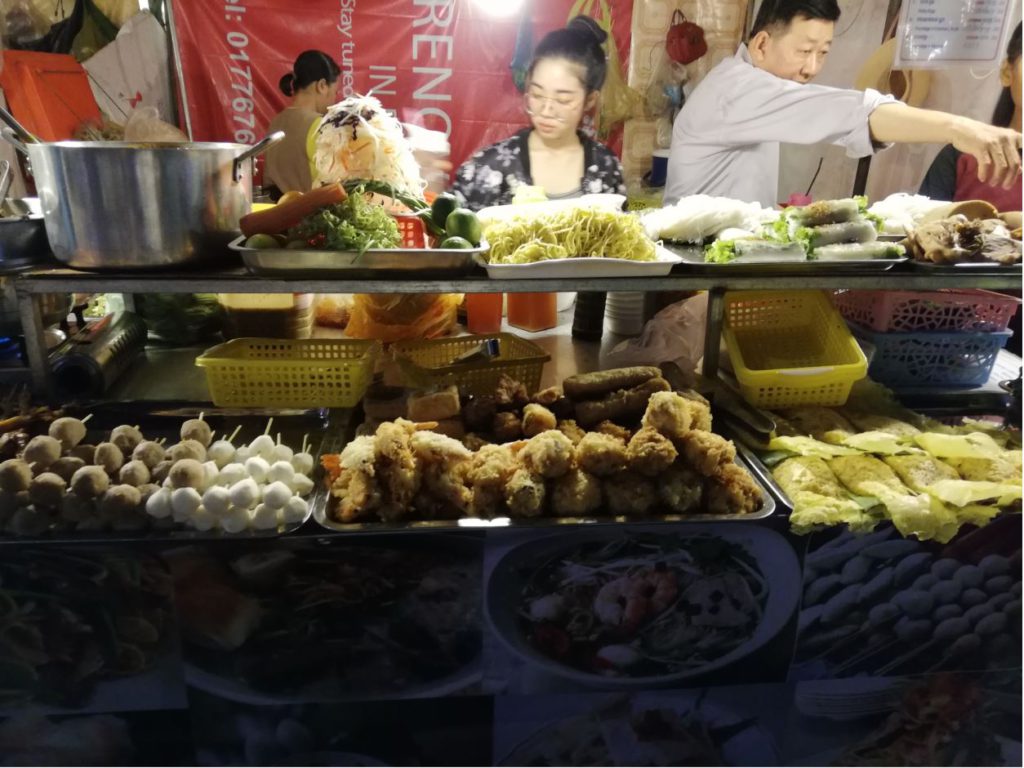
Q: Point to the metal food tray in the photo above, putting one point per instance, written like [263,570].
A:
[693,256]
[962,266]
[321,500]
[284,262]
[761,473]
[178,533]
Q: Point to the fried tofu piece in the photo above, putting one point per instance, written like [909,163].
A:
[525,494]
[628,493]
[601,454]
[576,494]
[681,489]
[537,419]
[705,452]
[549,454]
[668,413]
[506,427]
[732,492]
[650,452]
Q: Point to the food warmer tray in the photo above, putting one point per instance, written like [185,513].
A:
[284,262]
[162,419]
[321,500]
[693,257]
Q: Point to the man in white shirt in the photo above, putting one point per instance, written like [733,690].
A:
[725,141]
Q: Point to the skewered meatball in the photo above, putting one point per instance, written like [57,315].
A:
[149,453]
[109,457]
[47,490]
[187,449]
[187,473]
[67,466]
[120,500]
[68,430]
[15,475]
[42,451]
[89,482]
[126,438]
[161,471]
[198,430]
[134,473]
[83,451]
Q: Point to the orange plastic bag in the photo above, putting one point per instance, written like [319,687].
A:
[391,317]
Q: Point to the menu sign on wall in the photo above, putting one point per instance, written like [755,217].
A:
[934,34]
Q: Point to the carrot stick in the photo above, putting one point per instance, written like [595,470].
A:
[282,216]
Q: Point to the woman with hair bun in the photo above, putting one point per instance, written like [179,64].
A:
[563,83]
[313,87]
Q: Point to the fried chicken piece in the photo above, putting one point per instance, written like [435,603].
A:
[650,452]
[613,429]
[396,468]
[668,413]
[548,397]
[537,419]
[732,492]
[359,455]
[681,489]
[510,394]
[628,493]
[506,427]
[705,452]
[475,442]
[572,430]
[576,494]
[549,454]
[478,413]
[525,493]
[489,471]
[435,448]
[601,454]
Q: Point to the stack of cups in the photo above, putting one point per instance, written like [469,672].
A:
[625,313]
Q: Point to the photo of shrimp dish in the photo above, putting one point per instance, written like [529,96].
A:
[643,605]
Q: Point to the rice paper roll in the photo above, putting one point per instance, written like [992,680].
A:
[859,231]
[826,212]
[754,250]
[858,251]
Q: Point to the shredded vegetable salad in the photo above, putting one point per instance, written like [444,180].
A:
[354,225]
[644,605]
[578,232]
[359,139]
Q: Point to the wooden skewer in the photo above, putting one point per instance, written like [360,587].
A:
[304,438]
[201,414]
[86,418]
[278,438]
[235,434]
[270,422]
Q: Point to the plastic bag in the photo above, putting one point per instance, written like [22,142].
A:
[676,334]
[97,31]
[332,310]
[619,102]
[21,24]
[144,125]
[391,317]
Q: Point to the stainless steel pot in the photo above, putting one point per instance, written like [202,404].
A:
[126,205]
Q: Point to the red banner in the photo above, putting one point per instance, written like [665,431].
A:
[442,64]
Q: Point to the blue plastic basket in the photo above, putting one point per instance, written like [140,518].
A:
[928,359]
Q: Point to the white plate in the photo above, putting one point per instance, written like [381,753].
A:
[775,558]
[584,267]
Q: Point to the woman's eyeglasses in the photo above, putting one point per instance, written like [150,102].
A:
[557,108]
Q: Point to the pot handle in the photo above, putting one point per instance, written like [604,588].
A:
[23,135]
[11,138]
[256,149]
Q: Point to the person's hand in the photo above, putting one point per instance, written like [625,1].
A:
[997,150]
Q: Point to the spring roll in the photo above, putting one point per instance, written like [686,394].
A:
[858,251]
[754,250]
[826,212]
[860,231]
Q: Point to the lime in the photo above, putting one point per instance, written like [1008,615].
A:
[443,205]
[262,242]
[462,222]
[456,242]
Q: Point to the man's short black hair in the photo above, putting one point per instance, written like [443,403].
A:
[781,12]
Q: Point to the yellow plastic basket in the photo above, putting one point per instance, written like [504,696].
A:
[791,348]
[517,358]
[289,373]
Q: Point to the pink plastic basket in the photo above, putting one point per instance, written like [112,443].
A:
[913,311]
